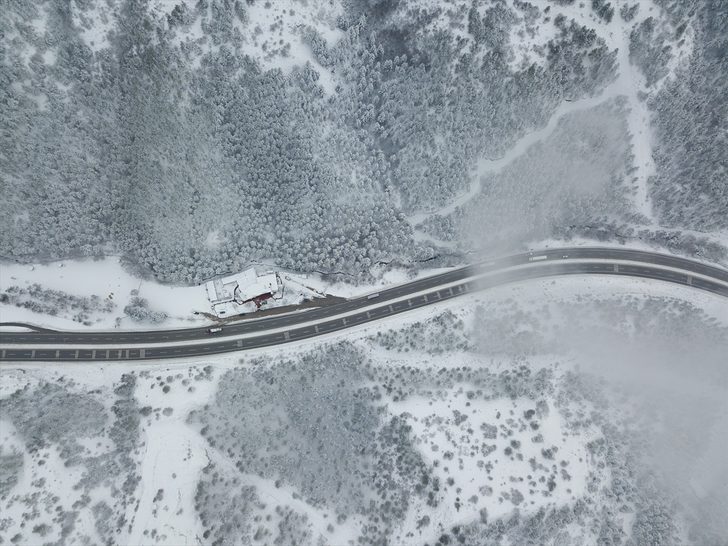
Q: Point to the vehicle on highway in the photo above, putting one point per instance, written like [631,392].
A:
[214,330]
[537,258]
[372,296]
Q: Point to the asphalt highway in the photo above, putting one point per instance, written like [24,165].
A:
[49,346]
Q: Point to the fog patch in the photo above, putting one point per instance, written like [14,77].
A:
[576,175]
[662,367]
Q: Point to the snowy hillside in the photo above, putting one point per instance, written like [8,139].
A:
[196,137]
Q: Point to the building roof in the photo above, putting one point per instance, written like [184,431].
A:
[241,287]
[220,291]
[263,284]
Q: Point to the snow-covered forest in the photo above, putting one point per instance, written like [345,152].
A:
[348,146]
[194,137]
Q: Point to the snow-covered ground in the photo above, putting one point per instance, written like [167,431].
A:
[630,84]
[276,26]
[172,454]
[493,478]
[113,285]
[271,33]
[107,280]
[495,166]
[476,492]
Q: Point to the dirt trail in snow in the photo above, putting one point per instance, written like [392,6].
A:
[629,83]
[485,165]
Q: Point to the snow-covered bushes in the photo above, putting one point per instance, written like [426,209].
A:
[55,302]
[138,310]
[322,428]
[56,423]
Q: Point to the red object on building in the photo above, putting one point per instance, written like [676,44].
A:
[258,300]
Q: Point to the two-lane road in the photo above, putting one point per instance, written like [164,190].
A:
[49,346]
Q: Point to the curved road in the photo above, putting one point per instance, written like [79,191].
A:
[48,345]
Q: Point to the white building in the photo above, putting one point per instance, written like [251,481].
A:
[241,293]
